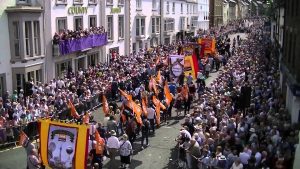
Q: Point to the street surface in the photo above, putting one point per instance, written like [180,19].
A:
[161,153]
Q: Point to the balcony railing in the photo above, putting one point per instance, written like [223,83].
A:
[75,45]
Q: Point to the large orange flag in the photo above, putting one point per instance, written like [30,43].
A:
[158,77]
[144,106]
[168,94]
[100,143]
[105,105]
[158,106]
[137,111]
[127,96]
[23,138]
[73,110]
[152,85]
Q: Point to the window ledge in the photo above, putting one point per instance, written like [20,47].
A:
[154,9]
[79,4]
[120,39]
[139,9]
[120,4]
[63,4]
[110,41]
[92,4]
[108,4]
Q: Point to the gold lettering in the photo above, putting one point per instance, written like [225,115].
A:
[80,10]
[77,10]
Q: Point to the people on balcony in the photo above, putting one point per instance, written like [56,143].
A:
[70,34]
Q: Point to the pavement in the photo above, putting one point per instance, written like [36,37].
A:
[161,154]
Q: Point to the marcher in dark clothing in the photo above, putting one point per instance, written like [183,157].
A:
[145,132]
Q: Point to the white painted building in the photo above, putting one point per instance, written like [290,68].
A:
[72,15]
[225,12]
[115,26]
[203,11]
[5,65]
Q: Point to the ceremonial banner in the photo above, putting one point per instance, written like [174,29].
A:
[191,65]
[105,105]
[177,65]
[63,145]
[209,44]
[168,95]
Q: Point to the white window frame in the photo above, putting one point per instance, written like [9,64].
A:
[155,25]
[37,38]
[90,17]
[16,33]
[181,8]
[61,2]
[28,38]
[182,23]
[110,27]
[93,2]
[121,2]
[77,1]
[138,4]
[121,24]
[169,24]
[187,8]
[22,1]
[75,18]
[109,2]
[57,23]
[140,28]
[154,4]
[173,7]
[168,7]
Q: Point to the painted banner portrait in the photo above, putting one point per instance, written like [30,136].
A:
[63,146]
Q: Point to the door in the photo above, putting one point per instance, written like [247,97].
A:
[80,63]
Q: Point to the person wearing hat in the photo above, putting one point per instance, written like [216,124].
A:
[125,151]
[113,145]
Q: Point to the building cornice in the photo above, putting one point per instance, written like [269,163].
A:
[20,9]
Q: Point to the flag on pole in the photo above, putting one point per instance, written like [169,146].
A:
[158,106]
[100,143]
[153,85]
[105,105]
[158,77]
[73,110]
[137,111]
[127,96]
[168,94]
[144,106]
[23,138]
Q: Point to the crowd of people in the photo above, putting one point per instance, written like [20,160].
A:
[235,125]
[227,127]
[70,34]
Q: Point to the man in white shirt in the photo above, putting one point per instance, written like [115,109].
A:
[113,145]
[244,156]
[150,116]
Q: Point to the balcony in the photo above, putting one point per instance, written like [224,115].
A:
[65,47]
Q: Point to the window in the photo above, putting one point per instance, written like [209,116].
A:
[181,8]
[140,26]
[187,8]
[92,1]
[109,2]
[109,27]
[173,8]
[92,21]
[36,38]
[78,23]
[61,24]
[155,25]
[16,29]
[169,24]
[182,23]
[93,59]
[38,75]
[154,4]
[140,45]
[27,38]
[194,21]
[61,2]
[168,10]
[77,1]
[138,4]
[30,76]
[20,81]
[121,27]
[120,2]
